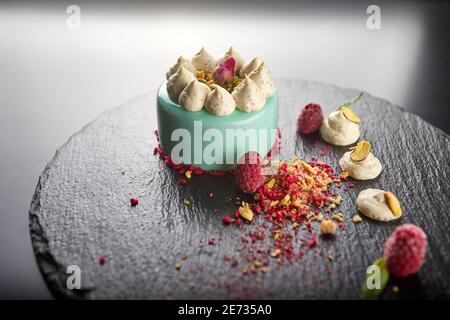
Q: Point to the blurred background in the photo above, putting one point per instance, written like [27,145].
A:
[57,75]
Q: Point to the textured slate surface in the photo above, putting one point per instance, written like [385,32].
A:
[81,210]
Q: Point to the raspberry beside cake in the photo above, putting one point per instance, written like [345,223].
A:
[211,112]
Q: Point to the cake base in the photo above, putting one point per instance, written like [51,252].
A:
[212,142]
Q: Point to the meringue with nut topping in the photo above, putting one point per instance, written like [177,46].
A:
[262,78]
[248,96]
[249,67]
[204,61]
[376,204]
[181,62]
[220,102]
[338,130]
[231,53]
[193,96]
[178,81]
[366,169]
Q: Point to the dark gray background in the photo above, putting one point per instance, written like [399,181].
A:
[53,80]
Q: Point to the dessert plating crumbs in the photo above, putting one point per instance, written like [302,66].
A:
[282,221]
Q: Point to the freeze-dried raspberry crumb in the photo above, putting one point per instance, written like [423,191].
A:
[227,220]
[405,250]
[134,202]
[310,119]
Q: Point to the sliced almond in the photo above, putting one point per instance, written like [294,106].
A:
[350,115]
[393,204]
[361,151]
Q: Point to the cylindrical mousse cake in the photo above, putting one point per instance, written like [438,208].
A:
[214,142]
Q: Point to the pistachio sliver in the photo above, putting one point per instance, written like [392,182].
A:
[350,115]
[308,168]
[361,151]
[393,204]
[245,212]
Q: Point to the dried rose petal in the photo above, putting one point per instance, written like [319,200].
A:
[224,73]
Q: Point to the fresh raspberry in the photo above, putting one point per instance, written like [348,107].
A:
[248,173]
[310,119]
[134,202]
[405,250]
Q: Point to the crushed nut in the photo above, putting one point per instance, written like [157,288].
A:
[275,253]
[245,212]
[338,217]
[327,227]
[308,168]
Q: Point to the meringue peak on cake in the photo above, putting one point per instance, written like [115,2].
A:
[221,85]
[262,78]
[219,101]
[250,66]
[203,60]
[181,62]
[178,81]
[193,96]
[248,96]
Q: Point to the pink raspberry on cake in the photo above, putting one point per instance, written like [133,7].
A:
[405,250]
[249,173]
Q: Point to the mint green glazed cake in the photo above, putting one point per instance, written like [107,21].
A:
[261,137]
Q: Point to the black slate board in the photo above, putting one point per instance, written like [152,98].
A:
[81,210]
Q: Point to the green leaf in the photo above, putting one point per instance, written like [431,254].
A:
[370,288]
[352,101]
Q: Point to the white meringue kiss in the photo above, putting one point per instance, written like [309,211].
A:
[193,96]
[248,96]
[262,78]
[204,61]
[249,67]
[178,81]
[181,62]
[220,102]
